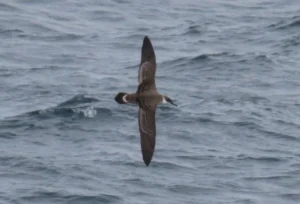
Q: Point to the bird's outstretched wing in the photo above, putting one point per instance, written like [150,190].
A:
[147,129]
[147,108]
[148,61]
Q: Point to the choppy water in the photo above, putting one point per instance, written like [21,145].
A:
[231,66]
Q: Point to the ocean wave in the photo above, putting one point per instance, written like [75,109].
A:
[57,17]
[44,195]
[267,178]
[170,165]
[7,135]
[199,119]
[195,157]
[35,25]
[63,37]
[293,22]
[106,15]
[210,56]
[290,42]
[132,36]
[221,59]
[30,165]
[78,99]
[279,135]
[291,196]
[48,68]
[192,30]
[10,32]
[87,112]
[74,108]
[249,124]
[181,61]
[7,7]
[190,189]
[262,159]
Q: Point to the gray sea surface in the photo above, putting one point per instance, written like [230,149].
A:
[233,68]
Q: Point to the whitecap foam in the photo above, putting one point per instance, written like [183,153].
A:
[88,112]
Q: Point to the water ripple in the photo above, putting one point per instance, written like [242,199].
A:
[44,196]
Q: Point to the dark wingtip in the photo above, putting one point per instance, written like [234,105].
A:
[147,51]
[147,162]
[147,157]
[147,43]
[146,38]
[119,98]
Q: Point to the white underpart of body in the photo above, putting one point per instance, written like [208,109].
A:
[164,100]
[124,98]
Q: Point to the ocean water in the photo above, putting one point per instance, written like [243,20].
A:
[231,66]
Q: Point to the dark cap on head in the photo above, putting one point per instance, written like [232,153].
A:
[119,98]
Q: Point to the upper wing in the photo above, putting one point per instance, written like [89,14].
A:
[148,133]
[148,61]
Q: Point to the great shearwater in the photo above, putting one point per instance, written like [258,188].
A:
[148,98]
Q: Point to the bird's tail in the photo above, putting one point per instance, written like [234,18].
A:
[120,98]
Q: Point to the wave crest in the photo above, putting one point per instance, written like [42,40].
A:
[77,107]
